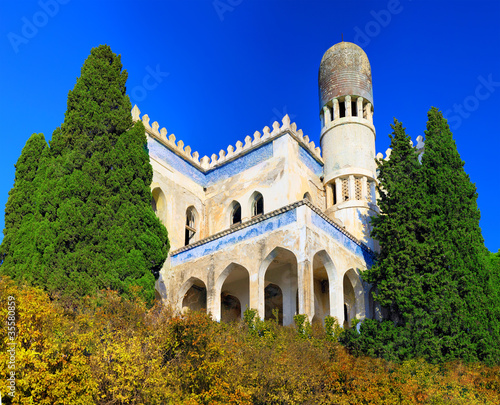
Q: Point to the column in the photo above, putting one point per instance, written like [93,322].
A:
[329,195]
[326,115]
[335,108]
[360,106]
[352,188]
[306,289]
[364,189]
[348,111]
[369,112]
[338,189]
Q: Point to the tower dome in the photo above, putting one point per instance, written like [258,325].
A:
[344,70]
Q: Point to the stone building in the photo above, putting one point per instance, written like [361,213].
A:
[275,222]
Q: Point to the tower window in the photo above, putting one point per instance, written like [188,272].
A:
[236,214]
[354,108]
[258,205]
[345,189]
[334,191]
[357,188]
[190,226]
[307,196]
[342,109]
[369,191]
[331,112]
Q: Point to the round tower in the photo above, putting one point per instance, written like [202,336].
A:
[348,137]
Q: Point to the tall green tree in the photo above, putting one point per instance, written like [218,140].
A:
[96,228]
[455,249]
[21,196]
[430,275]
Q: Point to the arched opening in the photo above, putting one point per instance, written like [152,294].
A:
[235,213]
[233,290]
[190,229]
[158,204]
[257,204]
[230,308]
[353,298]
[195,296]
[278,278]
[273,302]
[307,197]
[323,278]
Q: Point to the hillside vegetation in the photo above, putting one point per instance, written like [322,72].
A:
[113,350]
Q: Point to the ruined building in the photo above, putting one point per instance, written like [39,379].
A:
[275,222]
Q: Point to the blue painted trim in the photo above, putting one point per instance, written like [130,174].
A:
[341,238]
[162,153]
[223,172]
[240,164]
[310,162]
[270,225]
[260,228]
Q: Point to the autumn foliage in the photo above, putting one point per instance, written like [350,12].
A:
[113,350]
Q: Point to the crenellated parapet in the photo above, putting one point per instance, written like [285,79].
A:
[420,146]
[250,142]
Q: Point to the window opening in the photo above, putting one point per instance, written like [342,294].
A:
[258,205]
[354,108]
[357,188]
[345,189]
[190,226]
[236,214]
[342,109]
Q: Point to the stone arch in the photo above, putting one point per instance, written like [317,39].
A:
[256,204]
[354,297]
[159,204]
[307,196]
[279,268]
[325,283]
[193,295]
[234,281]
[235,214]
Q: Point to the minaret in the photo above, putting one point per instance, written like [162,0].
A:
[348,137]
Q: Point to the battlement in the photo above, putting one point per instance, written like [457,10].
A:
[419,147]
[207,163]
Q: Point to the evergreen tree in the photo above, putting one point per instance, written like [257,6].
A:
[20,201]
[455,249]
[430,275]
[96,228]
[398,229]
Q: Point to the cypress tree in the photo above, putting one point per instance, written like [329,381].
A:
[397,276]
[430,275]
[96,228]
[455,249]
[398,228]
[21,196]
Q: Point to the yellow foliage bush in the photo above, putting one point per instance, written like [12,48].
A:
[109,350]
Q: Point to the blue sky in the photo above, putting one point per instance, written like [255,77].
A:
[212,72]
